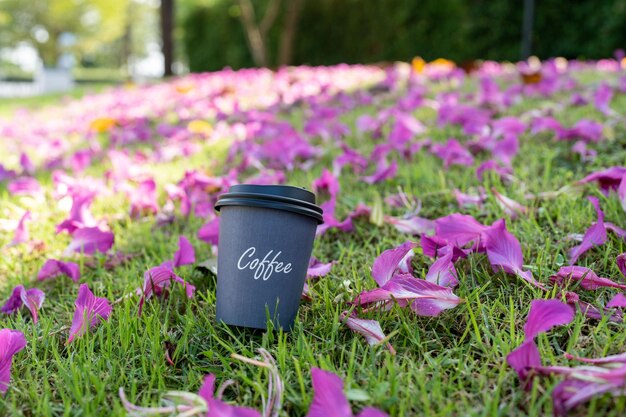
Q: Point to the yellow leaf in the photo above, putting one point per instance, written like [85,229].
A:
[441,62]
[103,124]
[200,127]
[418,65]
[184,88]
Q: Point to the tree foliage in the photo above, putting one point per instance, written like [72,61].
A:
[333,31]
[41,23]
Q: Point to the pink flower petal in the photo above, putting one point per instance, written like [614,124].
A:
[372,412]
[384,171]
[143,200]
[329,399]
[621,192]
[459,229]
[414,225]
[185,254]
[328,183]
[524,358]
[621,263]
[585,276]
[595,235]
[24,186]
[570,393]
[424,298]
[89,240]
[210,232]
[504,252]
[11,342]
[90,311]
[79,215]
[468,200]
[608,179]
[158,279]
[618,301]
[53,268]
[619,358]
[370,329]
[218,408]
[434,247]
[452,153]
[388,262]
[546,314]
[32,299]
[21,234]
[511,207]
[592,311]
[442,272]
[317,268]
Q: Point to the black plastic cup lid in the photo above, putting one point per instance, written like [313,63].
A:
[279,197]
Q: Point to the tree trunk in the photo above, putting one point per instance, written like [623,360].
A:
[285,52]
[256,33]
[167,45]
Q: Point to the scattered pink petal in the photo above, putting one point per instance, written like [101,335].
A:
[621,263]
[90,311]
[621,192]
[618,301]
[217,407]
[24,186]
[11,342]
[602,98]
[53,268]
[542,317]
[185,254]
[469,200]
[595,235]
[210,232]
[317,268]
[585,276]
[89,240]
[388,262]
[384,171]
[370,329]
[608,179]
[158,279]
[424,298]
[442,272]
[511,207]
[434,247]
[329,399]
[459,229]
[32,299]
[523,359]
[414,225]
[143,200]
[79,216]
[504,252]
[21,234]
[452,153]
[546,314]
[503,172]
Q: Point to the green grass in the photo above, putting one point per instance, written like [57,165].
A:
[452,365]
[10,105]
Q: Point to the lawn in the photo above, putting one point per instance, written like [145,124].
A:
[196,135]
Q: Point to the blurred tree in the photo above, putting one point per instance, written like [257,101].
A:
[42,23]
[167,37]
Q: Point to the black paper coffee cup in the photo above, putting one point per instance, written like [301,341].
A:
[265,243]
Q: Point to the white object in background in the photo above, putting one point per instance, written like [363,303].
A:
[53,80]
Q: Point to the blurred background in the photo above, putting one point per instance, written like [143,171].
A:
[54,45]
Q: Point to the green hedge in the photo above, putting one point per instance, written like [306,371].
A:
[354,31]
